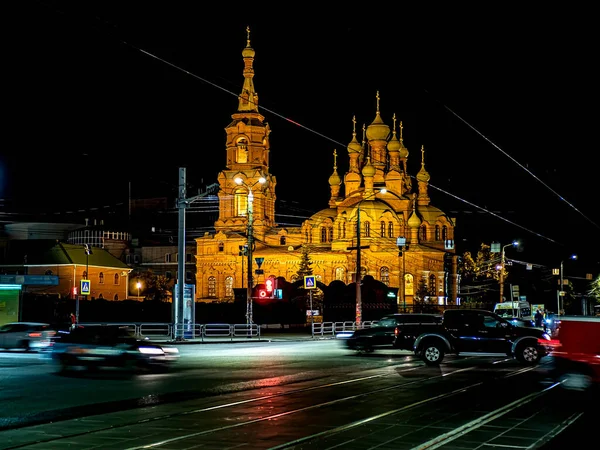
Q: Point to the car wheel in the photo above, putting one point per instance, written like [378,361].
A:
[432,353]
[364,346]
[528,353]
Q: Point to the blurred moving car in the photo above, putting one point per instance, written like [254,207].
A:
[27,336]
[112,346]
[385,333]
[576,352]
[520,322]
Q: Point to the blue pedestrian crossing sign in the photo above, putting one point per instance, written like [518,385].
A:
[86,287]
[310,282]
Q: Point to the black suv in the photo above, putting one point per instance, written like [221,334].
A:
[391,331]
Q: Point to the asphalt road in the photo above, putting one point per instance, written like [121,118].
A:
[289,393]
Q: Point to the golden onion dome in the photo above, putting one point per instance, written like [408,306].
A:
[414,221]
[378,130]
[334,179]
[369,169]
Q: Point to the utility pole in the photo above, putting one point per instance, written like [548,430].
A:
[182,203]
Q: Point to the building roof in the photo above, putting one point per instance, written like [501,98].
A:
[49,252]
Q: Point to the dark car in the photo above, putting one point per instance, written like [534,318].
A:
[113,346]
[383,334]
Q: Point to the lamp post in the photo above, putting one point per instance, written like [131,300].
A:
[88,252]
[401,243]
[512,244]
[250,234]
[561,292]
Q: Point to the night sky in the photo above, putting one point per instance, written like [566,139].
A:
[101,94]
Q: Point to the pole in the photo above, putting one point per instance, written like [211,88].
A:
[358,272]
[250,242]
[178,302]
[560,288]
[402,282]
[312,332]
[502,277]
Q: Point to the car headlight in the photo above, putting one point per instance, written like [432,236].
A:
[171,350]
[151,350]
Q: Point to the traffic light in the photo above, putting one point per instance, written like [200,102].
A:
[270,287]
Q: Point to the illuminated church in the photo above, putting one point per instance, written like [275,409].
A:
[402,236]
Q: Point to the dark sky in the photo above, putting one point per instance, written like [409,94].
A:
[101,94]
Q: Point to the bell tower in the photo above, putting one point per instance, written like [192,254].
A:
[247,161]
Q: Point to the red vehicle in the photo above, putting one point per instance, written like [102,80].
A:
[576,352]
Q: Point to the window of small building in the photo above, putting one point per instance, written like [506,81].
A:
[101,278]
[116,278]
[116,297]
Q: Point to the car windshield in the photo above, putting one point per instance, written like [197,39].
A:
[386,322]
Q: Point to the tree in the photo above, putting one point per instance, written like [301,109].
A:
[479,275]
[305,263]
[156,287]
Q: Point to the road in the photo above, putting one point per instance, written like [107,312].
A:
[276,395]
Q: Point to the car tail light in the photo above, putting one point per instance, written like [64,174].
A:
[554,343]
[35,334]
[396,331]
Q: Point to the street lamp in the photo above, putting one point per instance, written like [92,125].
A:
[250,231]
[512,244]
[561,292]
[138,285]
[88,251]
[402,247]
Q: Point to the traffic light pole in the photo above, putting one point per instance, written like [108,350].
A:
[182,203]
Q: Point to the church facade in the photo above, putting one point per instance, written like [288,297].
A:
[376,206]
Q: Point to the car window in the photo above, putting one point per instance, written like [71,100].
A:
[386,322]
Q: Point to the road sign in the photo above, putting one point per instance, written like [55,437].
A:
[259,261]
[86,287]
[310,282]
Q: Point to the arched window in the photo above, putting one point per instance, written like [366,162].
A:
[116,297]
[384,274]
[382,228]
[432,284]
[340,274]
[221,246]
[116,278]
[330,229]
[409,284]
[241,155]
[241,202]
[444,232]
[323,234]
[229,287]
[344,230]
[391,229]
[437,233]
[101,278]
[367,229]
[282,240]
[212,287]
[423,233]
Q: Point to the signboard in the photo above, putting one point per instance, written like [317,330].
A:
[189,304]
[310,282]
[86,287]
[39,280]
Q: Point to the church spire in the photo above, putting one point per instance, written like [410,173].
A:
[248,99]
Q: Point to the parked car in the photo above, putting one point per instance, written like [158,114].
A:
[112,346]
[383,333]
[27,336]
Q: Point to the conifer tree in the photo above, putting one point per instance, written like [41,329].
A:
[305,263]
